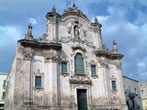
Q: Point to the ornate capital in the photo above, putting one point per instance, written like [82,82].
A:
[28,54]
[103,63]
[52,58]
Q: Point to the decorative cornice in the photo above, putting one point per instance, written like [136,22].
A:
[40,45]
[108,54]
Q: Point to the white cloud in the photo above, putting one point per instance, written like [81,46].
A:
[9,34]
[131,39]
[102,18]
[33,21]
[141,64]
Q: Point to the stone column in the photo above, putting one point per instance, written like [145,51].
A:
[27,76]
[105,79]
[121,88]
[55,85]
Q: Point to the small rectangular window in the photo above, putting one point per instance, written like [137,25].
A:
[1,105]
[4,84]
[142,92]
[130,90]
[3,96]
[135,90]
[114,85]
[64,67]
[37,81]
[93,70]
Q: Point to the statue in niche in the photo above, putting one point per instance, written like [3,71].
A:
[76,31]
[69,27]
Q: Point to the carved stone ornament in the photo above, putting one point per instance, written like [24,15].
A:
[78,40]
[38,89]
[28,54]
[78,47]
[103,63]
[43,38]
[69,29]
[52,58]
[118,66]
[63,59]
[39,73]
[114,91]
[76,31]
[113,78]
[94,76]
[108,61]
[80,80]
[84,33]
[65,74]
[92,62]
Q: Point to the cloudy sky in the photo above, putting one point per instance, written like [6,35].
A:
[123,20]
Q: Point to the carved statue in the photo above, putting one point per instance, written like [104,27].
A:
[76,31]
[69,27]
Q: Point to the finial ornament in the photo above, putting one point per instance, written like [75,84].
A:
[29,33]
[54,9]
[30,29]
[74,5]
[96,20]
[114,50]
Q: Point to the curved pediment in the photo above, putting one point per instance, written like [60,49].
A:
[78,47]
[74,11]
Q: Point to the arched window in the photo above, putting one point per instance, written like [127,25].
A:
[79,64]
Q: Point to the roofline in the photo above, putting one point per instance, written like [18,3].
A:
[142,81]
[1,73]
[130,78]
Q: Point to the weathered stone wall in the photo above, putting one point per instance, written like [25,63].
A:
[58,91]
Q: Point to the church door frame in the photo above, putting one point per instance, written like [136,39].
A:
[82,103]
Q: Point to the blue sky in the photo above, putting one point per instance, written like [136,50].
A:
[123,20]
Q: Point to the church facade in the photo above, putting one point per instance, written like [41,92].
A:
[68,68]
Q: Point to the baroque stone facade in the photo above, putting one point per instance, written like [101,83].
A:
[68,68]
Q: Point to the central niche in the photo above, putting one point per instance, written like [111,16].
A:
[76,29]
